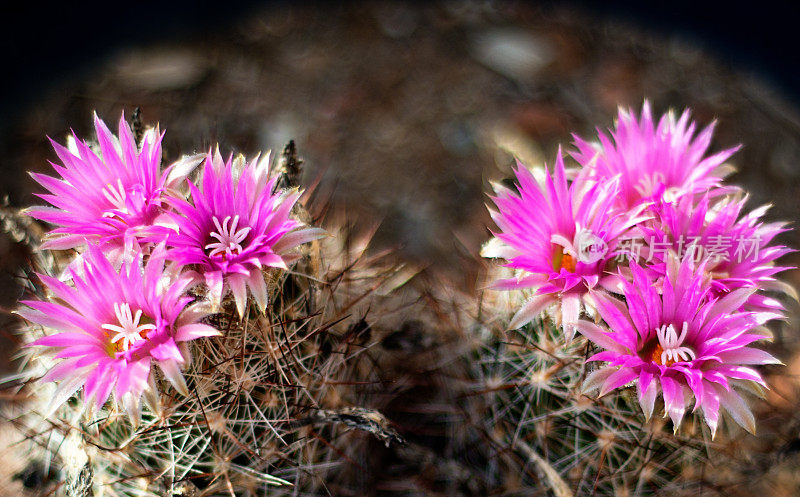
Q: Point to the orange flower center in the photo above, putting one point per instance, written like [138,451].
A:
[568,263]
[563,261]
[656,356]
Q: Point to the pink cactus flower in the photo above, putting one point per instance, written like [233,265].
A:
[664,161]
[562,238]
[675,337]
[234,226]
[112,325]
[111,196]
[738,249]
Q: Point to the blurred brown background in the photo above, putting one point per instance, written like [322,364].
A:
[404,111]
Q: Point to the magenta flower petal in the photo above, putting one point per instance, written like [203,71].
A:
[619,378]
[599,336]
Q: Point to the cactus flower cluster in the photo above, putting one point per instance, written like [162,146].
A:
[648,254]
[123,305]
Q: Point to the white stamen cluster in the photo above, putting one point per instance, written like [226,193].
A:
[671,344]
[230,239]
[129,330]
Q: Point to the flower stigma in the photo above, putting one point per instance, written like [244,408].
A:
[668,350]
[128,331]
[229,239]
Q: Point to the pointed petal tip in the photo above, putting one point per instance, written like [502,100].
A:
[182,388]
